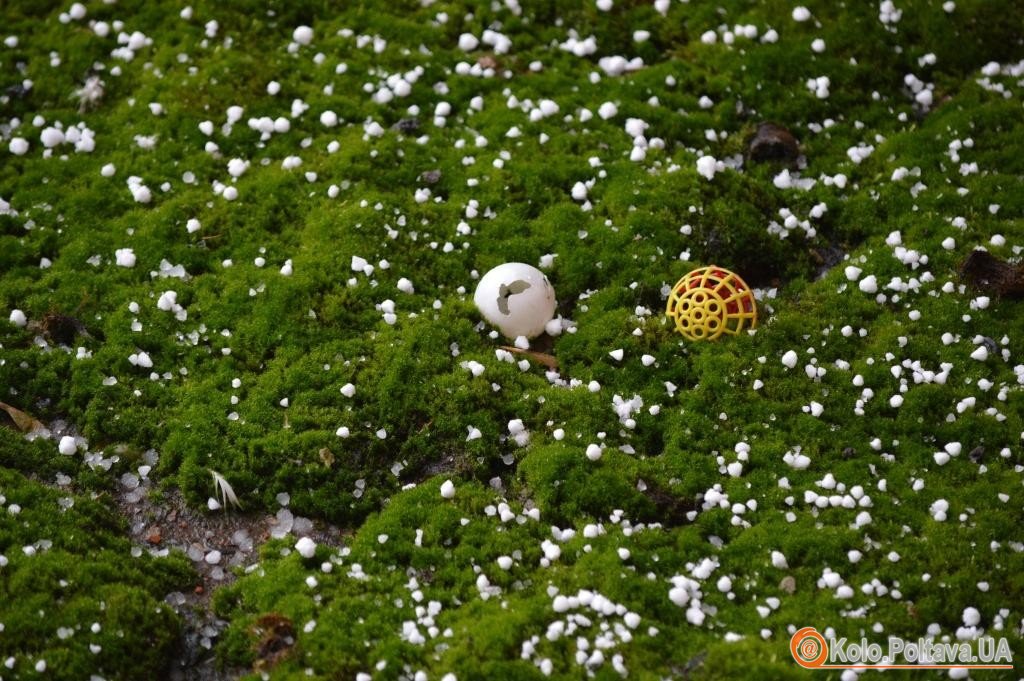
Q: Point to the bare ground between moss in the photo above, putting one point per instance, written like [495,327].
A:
[161,520]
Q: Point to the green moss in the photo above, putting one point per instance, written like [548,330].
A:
[70,581]
[303,337]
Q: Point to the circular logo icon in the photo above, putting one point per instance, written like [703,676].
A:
[809,648]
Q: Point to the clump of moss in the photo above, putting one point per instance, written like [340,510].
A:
[76,595]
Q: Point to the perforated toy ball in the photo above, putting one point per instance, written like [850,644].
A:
[517,298]
[711,301]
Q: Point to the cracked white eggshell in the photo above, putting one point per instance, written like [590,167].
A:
[516,310]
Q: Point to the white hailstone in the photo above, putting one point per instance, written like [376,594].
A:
[141,359]
[167,300]
[348,390]
[306,547]
[551,550]
[801,14]
[617,355]
[818,45]
[51,137]
[405,286]
[980,353]
[820,87]
[18,318]
[554,327]
[468,42]
[193,225]
[125,257]
[447,489]
[548,107]
[213,557]
[230,193]
[868,284]
[593,452]
[972,617]
[328,119]
[505,562]
[607,110]
[303,35]
[724,584]
[679,596]
[77,11]
[789,359]
[237,167]
[579,192]
[517,298]
[342,432]
[67,446]
[18,146]
[707,166]
[779,560]
[140,192]
[108,170]
[949,243]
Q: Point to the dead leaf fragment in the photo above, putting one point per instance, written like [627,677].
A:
[276,635]
[22,421]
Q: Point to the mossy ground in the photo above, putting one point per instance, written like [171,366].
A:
[303,336]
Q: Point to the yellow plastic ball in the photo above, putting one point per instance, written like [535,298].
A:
[711,301]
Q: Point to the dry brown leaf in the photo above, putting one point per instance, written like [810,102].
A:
[22,421]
